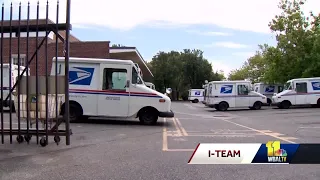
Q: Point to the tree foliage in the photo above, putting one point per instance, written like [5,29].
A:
[297,53]
[181,71]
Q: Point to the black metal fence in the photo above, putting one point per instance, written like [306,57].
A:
[32,93]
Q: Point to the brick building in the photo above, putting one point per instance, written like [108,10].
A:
[78,48]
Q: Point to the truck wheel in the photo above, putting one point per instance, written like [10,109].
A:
[257,105]
[318,103]
[74,113]
[223,106]
[285,104]
[148,116]
[195,101]
[13,109]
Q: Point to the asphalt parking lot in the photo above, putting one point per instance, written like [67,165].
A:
[111,149]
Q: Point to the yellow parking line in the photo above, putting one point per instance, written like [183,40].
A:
[177,127]
[180,150]
[268,134]
[164,136]
[184,132]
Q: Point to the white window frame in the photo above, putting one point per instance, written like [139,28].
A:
[22,56]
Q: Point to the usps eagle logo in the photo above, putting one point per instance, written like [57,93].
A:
[316,85]
[80,75]
[226,89]
[270,89]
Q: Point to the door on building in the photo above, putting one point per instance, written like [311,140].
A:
[114,100]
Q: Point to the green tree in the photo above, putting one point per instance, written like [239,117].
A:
[181,71]
[239,74]
[297,53]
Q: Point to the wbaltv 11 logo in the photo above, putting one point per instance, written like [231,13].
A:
[275,153]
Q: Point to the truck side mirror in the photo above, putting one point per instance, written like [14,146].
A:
[128,83]
[168,90]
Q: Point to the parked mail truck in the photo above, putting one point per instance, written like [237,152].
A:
[267,90]
[7,76]
[302,91]
[234,94]
[111,88]
[195,95]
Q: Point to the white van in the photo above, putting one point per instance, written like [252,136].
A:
[6,80]
[230,94]
[267,90]
[150,85]
[195,95]
[111,88]
[302,91]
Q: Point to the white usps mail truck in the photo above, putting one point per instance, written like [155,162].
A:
[7,76]
[267,90]
[234,94]
[195,95]
[302,91]
[111,88]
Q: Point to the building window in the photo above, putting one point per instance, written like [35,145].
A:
[15,60]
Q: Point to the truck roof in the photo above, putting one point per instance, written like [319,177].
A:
[302,79]
[94,60]
[261,83]
[228,82]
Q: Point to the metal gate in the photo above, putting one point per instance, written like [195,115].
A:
[32,93]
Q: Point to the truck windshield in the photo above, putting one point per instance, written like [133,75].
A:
[288,86]
[136,79]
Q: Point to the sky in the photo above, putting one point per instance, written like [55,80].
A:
[227,31]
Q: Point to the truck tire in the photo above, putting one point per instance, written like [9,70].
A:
[285,104]
[148,116]
[257,105]
[75,113]
[195,101]
[223,106]
[13,109]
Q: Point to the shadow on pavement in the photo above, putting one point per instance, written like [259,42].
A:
[122,122]
[233,110]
